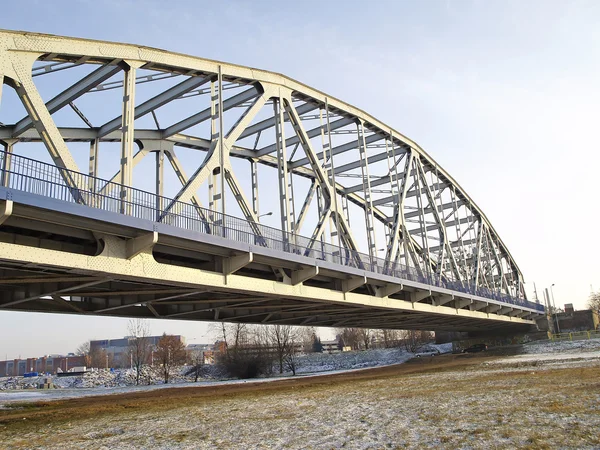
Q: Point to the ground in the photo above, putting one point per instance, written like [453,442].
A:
[536,400]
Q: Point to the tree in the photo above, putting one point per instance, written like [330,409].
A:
[350,337]
[84,350]
[169,352]
[594,301]
[389,338]
[414,339]
[197,360]
[317,347]
[283,339]
[93,356]
[246,354]
[306,335]
[139,345]
[291,359]
[365,337]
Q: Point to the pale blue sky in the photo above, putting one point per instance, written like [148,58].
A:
[503,94]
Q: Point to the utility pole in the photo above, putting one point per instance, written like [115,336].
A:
[555,311]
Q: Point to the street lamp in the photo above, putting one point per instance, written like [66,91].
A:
[270,213]
[554,306]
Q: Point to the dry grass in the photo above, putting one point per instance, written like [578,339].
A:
[449,403]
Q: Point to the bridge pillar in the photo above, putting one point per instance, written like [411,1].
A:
[353,283]
[302,275]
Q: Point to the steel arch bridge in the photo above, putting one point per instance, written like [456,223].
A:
[165,222]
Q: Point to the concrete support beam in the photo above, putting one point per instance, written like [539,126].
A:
[6,208]
[477,306]
[458,304]
[442,300]
[141,244]
[416,297]
[389,289]
[353,283]
[300,276]
[237,262]
[504,310]
[492,308]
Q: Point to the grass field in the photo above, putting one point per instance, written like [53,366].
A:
[452,401]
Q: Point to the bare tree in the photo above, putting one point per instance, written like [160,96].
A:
[84,350]
[306,336]
[414,339]
[245,356]
[197,360]
[389,338]
[93,356]
[139,345]
[291,358]
[594,301]
[282,338]
[350,337]
[365,335]
[170,352]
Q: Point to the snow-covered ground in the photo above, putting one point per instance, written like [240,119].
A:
[492,404]
[103,382]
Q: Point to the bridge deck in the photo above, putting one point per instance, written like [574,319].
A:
[196,264]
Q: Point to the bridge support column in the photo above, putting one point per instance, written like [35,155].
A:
[6,207]
[300,276]
[442,300]
[492,308]
[462,303]
[418,296]
[141,244]
[353,283]
[235,263]
[477,306]
[389,289]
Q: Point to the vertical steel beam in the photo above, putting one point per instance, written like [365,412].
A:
[420,208]
[282,170]
[221,145]
[93,165]
[476,259]
[160,182]
[369,218]
[334,219]
[7,162]
[127,133]
[254,179]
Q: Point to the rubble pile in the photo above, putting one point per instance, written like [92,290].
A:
[17,383]
[98,378]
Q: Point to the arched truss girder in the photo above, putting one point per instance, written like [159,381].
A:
[427,220]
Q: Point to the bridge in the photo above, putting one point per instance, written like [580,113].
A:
[186,162]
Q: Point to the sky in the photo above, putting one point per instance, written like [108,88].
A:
[504,95]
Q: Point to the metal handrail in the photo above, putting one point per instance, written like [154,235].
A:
[37,177]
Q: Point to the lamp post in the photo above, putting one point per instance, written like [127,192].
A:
[270,213]
[554,306]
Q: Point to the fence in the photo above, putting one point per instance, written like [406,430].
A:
[576,335]
[36,177]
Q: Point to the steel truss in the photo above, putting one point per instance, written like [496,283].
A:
[332,163]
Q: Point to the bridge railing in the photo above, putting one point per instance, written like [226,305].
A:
[37,177]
